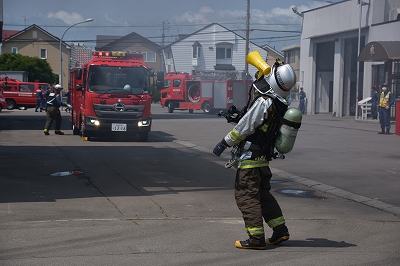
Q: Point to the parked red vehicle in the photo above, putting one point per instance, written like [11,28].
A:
[2,101]
[110,96]
[21,94]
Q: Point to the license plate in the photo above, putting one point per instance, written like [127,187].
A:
[118,127]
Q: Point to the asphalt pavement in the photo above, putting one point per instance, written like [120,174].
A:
[169,201]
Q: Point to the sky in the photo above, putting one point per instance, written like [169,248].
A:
[272,23]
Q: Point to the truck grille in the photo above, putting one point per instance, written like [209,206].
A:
[129,112]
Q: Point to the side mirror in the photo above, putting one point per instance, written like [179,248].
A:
[78,87]
[160,76]
[160,85]
[78,73]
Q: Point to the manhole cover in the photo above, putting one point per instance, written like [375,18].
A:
[298,193]
[276,181]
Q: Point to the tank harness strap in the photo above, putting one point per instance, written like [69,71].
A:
[290,123]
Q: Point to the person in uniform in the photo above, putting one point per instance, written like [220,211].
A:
[374,103]
[302,100]
[53,110]
[386,101]
[253,175]
[39,99]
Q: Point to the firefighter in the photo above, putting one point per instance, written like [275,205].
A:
[252,184]
[39,99]
[386,101]
[53,110]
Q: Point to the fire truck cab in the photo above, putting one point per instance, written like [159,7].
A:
[110,95]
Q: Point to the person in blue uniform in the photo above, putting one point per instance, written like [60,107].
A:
[39,99]
[53,111]
[374,103]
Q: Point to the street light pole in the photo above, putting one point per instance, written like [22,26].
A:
[361,3]
[60,79]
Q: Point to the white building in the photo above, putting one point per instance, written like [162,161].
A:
[213,48]
[330,54]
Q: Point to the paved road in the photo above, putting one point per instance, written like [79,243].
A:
[169,201]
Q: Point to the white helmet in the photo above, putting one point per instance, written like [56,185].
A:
[282,79]
[58,87]
[127,87]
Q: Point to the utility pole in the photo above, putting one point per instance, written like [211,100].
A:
[246,66]
[361,3]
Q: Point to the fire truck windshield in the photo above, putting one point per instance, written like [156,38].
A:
[118,80]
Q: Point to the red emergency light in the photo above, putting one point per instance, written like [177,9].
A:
[101,54]
[128,54]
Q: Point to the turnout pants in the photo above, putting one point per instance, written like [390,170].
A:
[53,113]
[254,200]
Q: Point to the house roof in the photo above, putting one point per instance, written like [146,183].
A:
[269,49]
[8,33]
[212,24]
[102,40]
[131,39]
[55,39]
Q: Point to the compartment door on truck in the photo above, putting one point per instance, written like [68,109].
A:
[239,94]
[220,94]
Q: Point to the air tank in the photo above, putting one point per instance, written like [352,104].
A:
[288,132]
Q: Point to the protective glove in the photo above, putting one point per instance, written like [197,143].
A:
[69,106]
[219,148]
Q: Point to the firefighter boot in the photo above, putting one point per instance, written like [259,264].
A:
[58,132]
[382,132]
[281,233]
[387,132]
[46,132]
[251,243]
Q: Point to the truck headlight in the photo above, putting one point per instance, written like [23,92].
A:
[144,123]
[94,122]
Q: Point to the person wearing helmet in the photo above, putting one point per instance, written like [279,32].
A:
[250,139]
[53,104]
[127,87]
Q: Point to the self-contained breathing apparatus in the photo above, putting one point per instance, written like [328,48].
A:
[280,128]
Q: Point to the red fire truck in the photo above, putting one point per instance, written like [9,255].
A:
[205,91]
[21,94]
[110,95]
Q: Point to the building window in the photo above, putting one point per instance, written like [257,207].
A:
[196,52]
[43,53]
[224,53]
[149,56]
[14,50]
[290,57]
[34,34]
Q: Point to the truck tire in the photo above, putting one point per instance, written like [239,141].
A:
[143,137]
[82,132]
[10,104]
[76,130]
[206,107]
[170,107]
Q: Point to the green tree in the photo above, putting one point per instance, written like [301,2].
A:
[38,69]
